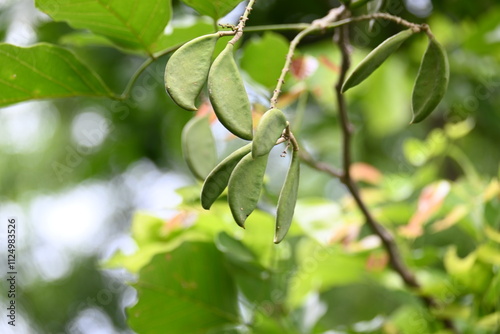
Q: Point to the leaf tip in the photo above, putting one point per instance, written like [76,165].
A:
[344,88]
[205,205]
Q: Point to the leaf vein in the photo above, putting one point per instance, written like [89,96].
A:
[35,70]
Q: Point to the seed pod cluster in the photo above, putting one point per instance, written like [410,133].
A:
[190,67]
[242,172]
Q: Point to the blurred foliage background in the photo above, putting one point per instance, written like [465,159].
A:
[94,181]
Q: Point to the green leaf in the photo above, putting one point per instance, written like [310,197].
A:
[83,39]
[45,71]
[228,95]
[319,268]
[187,70]
[213,8]
[245,185]
[455,265]
[218,178]
[128,23]
[151,237]
[269,130]
[263,58]
[179,295]
[410,319]
[234,249]
[287,199]
[489,254]
[432,81]
[490,322]
[358,304]
[492,234]
[253,280]
[198,146]
[375,59]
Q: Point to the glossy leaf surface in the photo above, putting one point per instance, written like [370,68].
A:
[45,71]
[172,283]
[128,23]
[213,8]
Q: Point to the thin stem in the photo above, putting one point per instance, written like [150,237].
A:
[347,130]
[278,27]
[395,258]
[126,92]
[464,162]
[242,22]
[314,26]
[336,24]
[286,67]
[289,136]
[346,126]
[386,16]
[318,165]
[237,35]
[328,22]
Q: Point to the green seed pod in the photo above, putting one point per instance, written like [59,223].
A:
[244,187]
[268,131]
[287,199]
[432,81]
[187,70]
[198,146]
[375,58]
[218,178]
[228,96]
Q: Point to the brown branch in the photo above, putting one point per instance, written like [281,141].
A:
[238,32]
[395,258]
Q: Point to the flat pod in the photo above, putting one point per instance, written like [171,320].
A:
[287,199]
[228,96]
[432,81]
[198,146]
[217,180]
[244,187]
[270,128]
[187,70]
[375,58]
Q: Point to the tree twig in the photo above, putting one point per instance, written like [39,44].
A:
[241,24]
[314,26]
[319,165]
[395,258]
